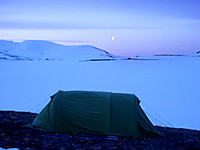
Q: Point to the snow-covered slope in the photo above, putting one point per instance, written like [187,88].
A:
[46,50]
[168,88]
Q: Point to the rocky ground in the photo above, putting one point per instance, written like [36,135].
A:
[13,134]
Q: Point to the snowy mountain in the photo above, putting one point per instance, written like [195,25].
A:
[46,50]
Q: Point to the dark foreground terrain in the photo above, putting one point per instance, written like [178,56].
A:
[13,134]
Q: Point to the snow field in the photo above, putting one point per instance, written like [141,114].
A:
[168,88]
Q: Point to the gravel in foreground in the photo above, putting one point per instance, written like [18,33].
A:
[13,134]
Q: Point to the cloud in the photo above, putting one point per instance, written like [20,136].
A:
[103,14]
[124,23]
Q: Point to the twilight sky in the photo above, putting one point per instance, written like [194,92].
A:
[139,27]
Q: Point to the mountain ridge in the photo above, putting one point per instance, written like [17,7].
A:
[47,50]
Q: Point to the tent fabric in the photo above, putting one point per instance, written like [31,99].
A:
[92,112]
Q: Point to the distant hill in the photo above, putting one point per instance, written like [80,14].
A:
[198,53]
[168,55]
[46,50]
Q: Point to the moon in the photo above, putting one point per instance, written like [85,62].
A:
[113,38]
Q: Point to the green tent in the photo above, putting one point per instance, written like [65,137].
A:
[91,112]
